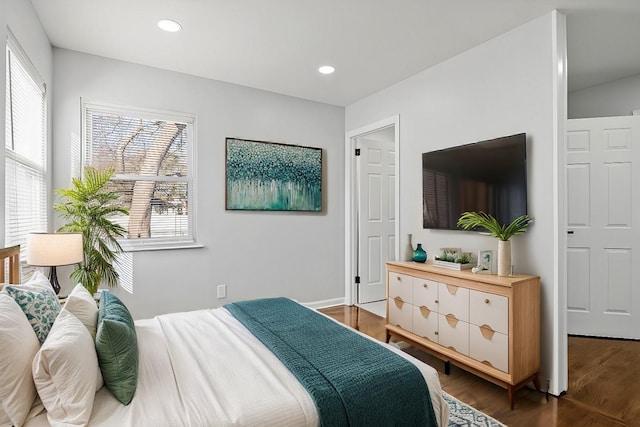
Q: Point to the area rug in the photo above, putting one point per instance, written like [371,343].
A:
[463,415]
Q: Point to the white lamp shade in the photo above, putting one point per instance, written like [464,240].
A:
[53,249]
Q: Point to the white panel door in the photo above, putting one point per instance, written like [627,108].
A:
[376,165]
[603,210]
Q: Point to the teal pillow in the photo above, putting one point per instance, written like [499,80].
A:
[41,306]
[117,348]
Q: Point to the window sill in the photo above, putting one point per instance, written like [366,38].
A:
[128,246]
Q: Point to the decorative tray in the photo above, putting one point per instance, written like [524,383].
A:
[452,265]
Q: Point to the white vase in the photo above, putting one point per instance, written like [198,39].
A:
[504,257]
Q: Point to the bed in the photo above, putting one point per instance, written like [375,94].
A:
[11,261]
[206,368]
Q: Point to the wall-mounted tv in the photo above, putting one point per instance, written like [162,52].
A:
[488,176]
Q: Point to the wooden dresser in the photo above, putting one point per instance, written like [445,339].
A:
[485,324]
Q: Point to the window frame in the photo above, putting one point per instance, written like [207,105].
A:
[15,52]
[151,243]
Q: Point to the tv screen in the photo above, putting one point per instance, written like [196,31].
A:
[488,176]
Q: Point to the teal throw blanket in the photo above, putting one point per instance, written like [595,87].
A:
[352,380]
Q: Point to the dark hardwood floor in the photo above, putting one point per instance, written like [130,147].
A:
[604,382]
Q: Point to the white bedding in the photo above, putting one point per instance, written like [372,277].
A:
[203,368]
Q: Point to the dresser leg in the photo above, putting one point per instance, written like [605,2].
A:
[511,391]
[536,382]
[447,367]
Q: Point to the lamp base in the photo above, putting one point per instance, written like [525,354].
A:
[53,279]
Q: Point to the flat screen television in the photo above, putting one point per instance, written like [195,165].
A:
[488,176]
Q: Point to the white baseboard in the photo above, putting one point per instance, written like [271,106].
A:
[326,303]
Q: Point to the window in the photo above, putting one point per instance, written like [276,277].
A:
[25,149]
[152,155]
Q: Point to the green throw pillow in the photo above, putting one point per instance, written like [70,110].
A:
[117,348]
[41,307]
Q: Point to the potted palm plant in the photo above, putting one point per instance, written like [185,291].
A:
[504,232]
[87,207]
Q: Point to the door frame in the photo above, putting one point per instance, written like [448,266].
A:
[351,205]
[558,382]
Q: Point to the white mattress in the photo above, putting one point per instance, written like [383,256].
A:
[203,368]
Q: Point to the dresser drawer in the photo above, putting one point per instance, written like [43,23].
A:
[453,300]
[425,323]
[489,347]
[453,333]
[425,293]
[400,313]
[489,309]
[401,285]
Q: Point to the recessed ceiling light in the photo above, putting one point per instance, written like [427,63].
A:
[326,69]
[169,25]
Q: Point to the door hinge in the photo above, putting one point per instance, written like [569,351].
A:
[357,279]
[357,151]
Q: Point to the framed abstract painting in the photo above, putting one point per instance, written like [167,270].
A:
[269,176]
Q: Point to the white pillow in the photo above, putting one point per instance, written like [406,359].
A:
[66,372]
[18,346]
[81,304]
[38,280]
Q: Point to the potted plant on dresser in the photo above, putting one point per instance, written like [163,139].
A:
[88,207]
[504,232]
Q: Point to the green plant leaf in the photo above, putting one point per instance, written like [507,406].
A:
[474,220]
[87,207]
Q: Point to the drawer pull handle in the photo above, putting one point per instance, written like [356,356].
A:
[486,301]
[398,278]
[487,331]
[435,333]
[398,301]
[452,289]
[486,362]
[451,320]
[425,286]
[425,311]
[436,301]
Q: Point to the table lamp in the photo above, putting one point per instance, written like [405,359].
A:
[52,250]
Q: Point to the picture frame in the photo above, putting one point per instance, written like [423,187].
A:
[271,176]
[485,260]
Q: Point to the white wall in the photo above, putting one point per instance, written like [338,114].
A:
[502,87]
[617,98]
[3,93]
[256,254]
[21,19]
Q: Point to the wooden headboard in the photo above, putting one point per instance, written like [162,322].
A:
[13,256]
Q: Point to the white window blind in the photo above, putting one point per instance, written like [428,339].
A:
[152,155]
[25,149]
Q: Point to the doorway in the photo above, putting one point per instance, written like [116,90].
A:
[372,207]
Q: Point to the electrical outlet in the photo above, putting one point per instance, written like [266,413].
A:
[222,291]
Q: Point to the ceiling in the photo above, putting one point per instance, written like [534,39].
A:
[278,45]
